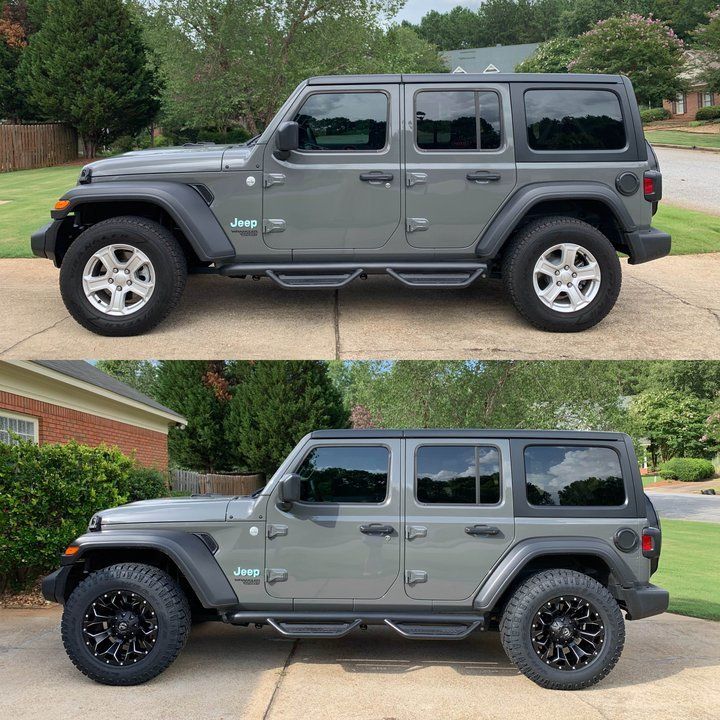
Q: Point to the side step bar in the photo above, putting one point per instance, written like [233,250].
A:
[337,275]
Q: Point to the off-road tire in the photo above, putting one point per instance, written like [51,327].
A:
[524,249]
[516,623]
[152,238]
[160,590]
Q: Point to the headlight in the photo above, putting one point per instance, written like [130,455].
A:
[95,524]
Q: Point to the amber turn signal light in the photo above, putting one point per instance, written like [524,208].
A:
[71,550]
[62,204]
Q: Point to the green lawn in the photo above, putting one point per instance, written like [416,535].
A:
[650,479]
[688,567]
[678,137]
[692,231]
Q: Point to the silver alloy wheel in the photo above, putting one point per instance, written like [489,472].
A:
[119,280]
[566,278]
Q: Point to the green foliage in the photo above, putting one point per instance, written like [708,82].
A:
[139,374]
[581,15]
[454,30]
[651,115]
[708,40]
[88,66]
[48,494]
[644,49]
[683,16]
[400,49]
[687,469]
[553,56]
[708,113]
[275,404]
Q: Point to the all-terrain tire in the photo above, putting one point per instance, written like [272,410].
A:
[517,620]
[148,236]
[525,249]
[164,595]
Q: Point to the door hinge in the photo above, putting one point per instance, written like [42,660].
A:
[415,531]
[417,224]
[274,531]
[273,226]
[273,575]
[415,178]
[412,577]
[270,179]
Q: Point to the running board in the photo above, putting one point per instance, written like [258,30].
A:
[434,631]
[313,630]
[338,275]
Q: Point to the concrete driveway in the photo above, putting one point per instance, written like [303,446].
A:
[668,670]
[691,178]
[679,506]
[667,309]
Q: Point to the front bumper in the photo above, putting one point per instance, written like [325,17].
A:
[44,241]
[53,585]
[644,601]
[646,245]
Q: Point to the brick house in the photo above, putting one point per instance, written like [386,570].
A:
[49,401]
[686,104]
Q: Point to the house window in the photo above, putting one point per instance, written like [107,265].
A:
[15,428]
[680,104]
[706,99]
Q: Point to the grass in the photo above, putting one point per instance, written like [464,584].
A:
[686,139]
[31,194]
[688,567]
[649,479]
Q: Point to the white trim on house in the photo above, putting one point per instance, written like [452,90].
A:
[4,434]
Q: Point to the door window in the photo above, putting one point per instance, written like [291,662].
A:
[343,122]
[573,475]
[457,120]
[457,474]
[345,474]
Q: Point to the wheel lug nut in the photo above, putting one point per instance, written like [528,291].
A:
[118,287]
[569,284]
[559,283]
[557,272]
[111,281]
[574,274]
[129,282]
[567,267]
[127,272]
[115,270]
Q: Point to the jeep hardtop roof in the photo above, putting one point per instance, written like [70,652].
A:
[468,433]
[424,78]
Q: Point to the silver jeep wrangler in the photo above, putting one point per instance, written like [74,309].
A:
[436,180]
[544,536]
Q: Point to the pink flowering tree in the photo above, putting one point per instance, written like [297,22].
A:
[643,48]
[708,39]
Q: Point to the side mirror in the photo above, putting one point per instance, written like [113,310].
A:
[287,139]
[289,491]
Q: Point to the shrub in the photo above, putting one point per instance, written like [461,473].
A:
[687,469]
[708,113]
[144,484]
[650,115]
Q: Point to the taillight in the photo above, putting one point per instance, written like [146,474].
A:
[652,186]
[651,542]
[648,543]
[649,186]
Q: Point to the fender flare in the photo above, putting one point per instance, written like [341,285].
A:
[182,203]
[521,554]
[189,553]
[521,202]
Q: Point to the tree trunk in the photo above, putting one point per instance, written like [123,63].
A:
[90,146]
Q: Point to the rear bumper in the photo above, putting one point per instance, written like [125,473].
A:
[644,601]
[646,245]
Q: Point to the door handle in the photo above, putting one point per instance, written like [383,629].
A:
[482,177]
[378,177]
[377,529]
[484,530]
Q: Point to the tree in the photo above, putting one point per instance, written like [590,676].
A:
[683,16]
[274,405]
[88,66]
[400,49]
[553,56]
[644,49]
[198,390]
[708,40]
[460,28]
[509,22]
[139,374]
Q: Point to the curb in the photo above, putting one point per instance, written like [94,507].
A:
[686,147]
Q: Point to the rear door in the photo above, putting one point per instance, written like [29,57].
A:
[459,515]
[460,161]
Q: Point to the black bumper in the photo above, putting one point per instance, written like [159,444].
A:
[43,241]
[644,601]
[53,586]
[646,245]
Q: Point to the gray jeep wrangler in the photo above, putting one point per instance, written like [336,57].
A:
[436,180]
[546,536]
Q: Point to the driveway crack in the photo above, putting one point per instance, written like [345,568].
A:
[336,324]
[281,677]
[35,334]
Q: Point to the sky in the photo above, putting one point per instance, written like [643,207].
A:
[415,9]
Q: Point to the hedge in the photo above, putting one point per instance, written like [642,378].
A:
[654,115]
[687,469]
[708,113]
[48,494]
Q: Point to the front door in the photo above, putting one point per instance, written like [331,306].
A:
[341,189]
[459,515]
[342,539]
[460,161]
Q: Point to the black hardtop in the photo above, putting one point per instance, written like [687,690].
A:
[559,435]
[425,78]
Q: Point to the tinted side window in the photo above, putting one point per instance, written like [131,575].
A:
[350,474]
[574,120]
[457,120]
[343,121]
[458,474]
[573,475]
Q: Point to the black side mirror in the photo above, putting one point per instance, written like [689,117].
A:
[289,491]
[287,139]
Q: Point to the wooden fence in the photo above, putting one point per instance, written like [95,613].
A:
[197,483]
[23,147]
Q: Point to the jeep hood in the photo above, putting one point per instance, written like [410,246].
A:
[169,510]
[196,159]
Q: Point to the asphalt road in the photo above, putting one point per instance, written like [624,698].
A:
[669,308]
[691,178]
[705,508]
[668,670]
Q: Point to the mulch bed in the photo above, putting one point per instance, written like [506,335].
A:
[27,599]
